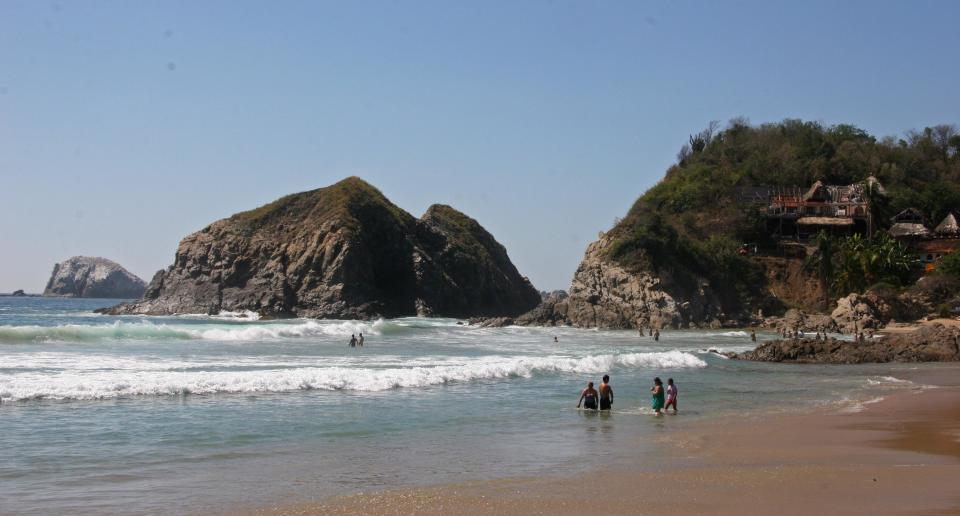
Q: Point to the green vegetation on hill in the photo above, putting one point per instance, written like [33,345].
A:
[691,223]
[345,200]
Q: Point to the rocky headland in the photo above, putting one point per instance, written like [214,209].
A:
[933,343]
[85,276]
[709,245]
[344,251]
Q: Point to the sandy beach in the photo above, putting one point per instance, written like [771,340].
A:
[907,327]
[899,454]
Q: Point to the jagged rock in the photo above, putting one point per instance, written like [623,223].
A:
[934,343]
[84,276]
[795,319]
[491,322]
[18,293]
[550,312]
[343,251]
[605,294]
[857,312]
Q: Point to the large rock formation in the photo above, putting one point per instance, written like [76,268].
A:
[344,251]
[84,276]
[934,343]
[607,294]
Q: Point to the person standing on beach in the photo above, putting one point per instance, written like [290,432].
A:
[588,397]
[353,340]
[657,399]
[360,340]
[606,393]
[671,396]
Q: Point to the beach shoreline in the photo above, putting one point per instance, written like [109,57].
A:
[886,456]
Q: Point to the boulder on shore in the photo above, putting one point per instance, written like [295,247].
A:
[18,293]
[934,343]
[344,251]
[86,276]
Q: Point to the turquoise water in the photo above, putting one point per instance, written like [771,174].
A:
[191,413]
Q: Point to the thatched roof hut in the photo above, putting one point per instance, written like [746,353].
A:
[907,230]
[910,215]
[947,227]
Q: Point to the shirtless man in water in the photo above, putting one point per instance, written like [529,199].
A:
[606,393]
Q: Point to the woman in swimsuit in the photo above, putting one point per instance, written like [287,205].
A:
[588,397]
[657,390]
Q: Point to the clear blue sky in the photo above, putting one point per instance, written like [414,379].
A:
[124,126]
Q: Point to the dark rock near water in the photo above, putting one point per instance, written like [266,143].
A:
[18,293]
[84,276]
[934,343]
[343,251]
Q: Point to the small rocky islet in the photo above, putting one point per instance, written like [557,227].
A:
[92,277]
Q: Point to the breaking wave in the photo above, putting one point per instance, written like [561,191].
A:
[93,383]
[238,331]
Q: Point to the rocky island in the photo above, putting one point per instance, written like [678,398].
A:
[344,251]
[85,276]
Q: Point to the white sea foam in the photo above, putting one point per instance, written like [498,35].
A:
[856,406]
[76,383]
[738,333]
[888,381]
[243,315]
[147,330]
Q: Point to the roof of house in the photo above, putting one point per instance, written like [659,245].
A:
[948,226]
[909,230]
[855,193]
[825,221]
[909,215]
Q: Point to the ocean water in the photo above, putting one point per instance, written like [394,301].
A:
[195,413]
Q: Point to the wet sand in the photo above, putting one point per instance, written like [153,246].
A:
[898,455]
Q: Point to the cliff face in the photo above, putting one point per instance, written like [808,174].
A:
[605,294]
[83,276]
[344,251]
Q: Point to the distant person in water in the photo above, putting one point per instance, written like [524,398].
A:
[353,340]
[671,396]
[656,335]
[606,393]
[753,335]
[555,339]
[588,397]
[657,395]
[360,340]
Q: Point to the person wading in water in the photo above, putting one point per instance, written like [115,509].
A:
[606,393]
[588,397]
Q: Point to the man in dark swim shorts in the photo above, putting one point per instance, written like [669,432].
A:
[606,393]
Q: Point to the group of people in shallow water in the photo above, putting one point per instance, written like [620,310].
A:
[662,397]
[354,341]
